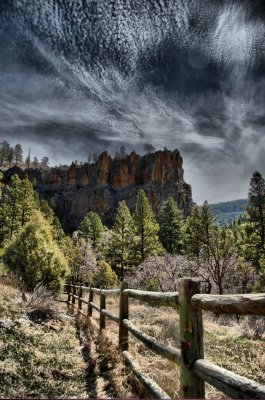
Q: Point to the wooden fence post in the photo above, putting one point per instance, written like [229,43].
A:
[80,297]
[191,336]
[90,300]
[124,314]
[73,298]
[69,294]
[102,305]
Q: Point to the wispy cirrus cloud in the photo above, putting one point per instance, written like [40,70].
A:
[82,76]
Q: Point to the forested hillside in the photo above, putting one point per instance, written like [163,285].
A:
[228,211]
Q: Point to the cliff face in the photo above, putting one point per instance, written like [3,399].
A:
[100,186]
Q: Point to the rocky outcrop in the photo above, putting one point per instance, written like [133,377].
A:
[100,186]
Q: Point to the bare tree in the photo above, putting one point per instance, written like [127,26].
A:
[217,266]
[161,273]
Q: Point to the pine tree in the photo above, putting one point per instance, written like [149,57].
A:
[255,221]
[92,228]
[193,233]
[28,200]
[18,204]
[4,151]
[120,245]
[35,256]
[10,156]
[18,153]
[53,220]
[45,161]
[35,162]
[146,229]
[208,222]
[171,226]
[28,160]
[73,255]
[11,203]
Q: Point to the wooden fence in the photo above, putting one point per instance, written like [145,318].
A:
[194,370]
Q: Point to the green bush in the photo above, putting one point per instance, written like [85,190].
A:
[35,256]
[105,276]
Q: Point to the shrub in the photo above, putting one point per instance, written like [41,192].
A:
[161,273]
[34,256]
[105,276]
[40,303]
[253,327]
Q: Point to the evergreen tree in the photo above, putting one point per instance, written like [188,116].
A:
[11,210]
[120,245]
[92,228]
[45,161]
[10,156]
[208,222]
[122,151]
[146,229]
[18,153]
[72,253]
[53,220]
[255,221]
[28,200]
[35,162]
[148,148]
[193,233]
[171,226]
[28,160]
[4,151]
[35,256]
[17,206]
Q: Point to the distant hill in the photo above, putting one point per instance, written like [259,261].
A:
[228,211]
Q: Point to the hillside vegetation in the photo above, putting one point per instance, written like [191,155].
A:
[40,358]
[228,211]
[44,354]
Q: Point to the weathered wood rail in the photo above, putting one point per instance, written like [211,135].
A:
[194,370]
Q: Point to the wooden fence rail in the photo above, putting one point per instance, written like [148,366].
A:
[194,370]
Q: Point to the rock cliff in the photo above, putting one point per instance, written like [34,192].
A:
[75,190]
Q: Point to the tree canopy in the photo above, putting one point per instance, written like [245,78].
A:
[36,257]
[170,220]
[146,229]
[92,228]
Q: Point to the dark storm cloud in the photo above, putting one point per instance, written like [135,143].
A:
[78,76]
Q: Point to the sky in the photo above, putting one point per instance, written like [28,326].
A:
[83,76]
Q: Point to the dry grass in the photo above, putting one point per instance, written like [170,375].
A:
[229,345]
[38,360]
[7,308]
[61,359]
[40,304]
[55,358]
[106,376]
